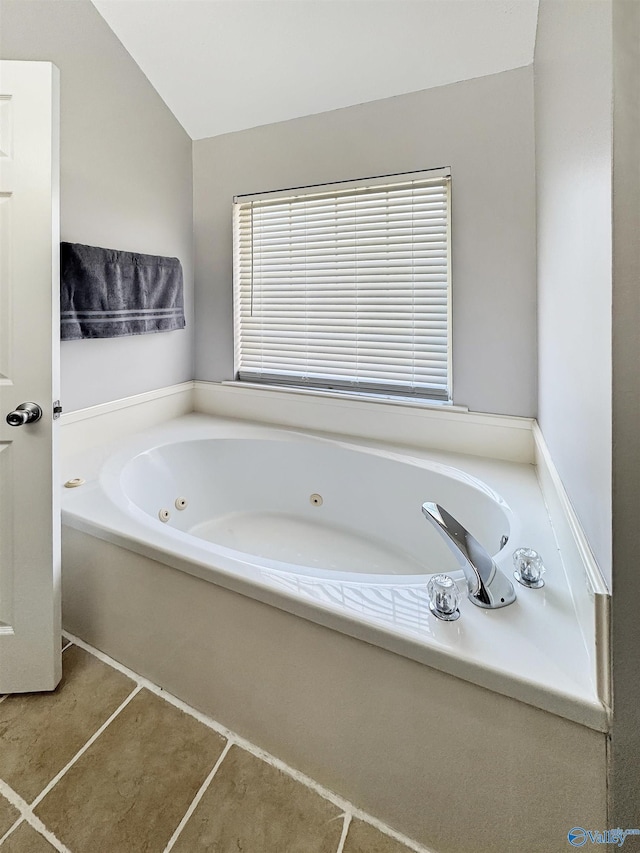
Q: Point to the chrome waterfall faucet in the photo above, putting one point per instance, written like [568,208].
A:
[487,586]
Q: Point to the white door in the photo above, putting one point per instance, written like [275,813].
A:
[30,656]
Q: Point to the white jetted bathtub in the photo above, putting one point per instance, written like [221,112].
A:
[308,508]
[333,531]
[277,580]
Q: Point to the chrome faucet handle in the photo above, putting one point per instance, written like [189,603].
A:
[529,568]
[443,598]
[487,586]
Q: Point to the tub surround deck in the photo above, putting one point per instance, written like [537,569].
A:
[533,650]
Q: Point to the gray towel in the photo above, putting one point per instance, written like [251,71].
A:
[105,293]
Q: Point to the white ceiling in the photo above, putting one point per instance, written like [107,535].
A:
[225,65]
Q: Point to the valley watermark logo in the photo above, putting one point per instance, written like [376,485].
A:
[578,836]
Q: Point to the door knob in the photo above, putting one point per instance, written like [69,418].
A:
[26,413]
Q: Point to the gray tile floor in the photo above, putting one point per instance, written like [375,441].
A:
[105,764]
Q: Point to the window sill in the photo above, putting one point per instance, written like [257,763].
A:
[387,399]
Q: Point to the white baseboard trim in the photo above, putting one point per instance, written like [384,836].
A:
[435,428]
[590,593]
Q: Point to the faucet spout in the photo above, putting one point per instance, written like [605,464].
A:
[487,586]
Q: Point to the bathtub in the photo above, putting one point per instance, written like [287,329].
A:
[277,578]
[304,507]
[332,530]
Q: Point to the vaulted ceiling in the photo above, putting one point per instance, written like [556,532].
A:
[226,65]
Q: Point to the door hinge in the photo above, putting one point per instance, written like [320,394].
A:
[57,409]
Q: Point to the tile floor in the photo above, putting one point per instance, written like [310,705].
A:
[108,763]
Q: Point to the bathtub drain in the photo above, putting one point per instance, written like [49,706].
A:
[316,499]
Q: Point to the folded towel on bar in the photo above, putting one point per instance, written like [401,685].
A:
[106,293]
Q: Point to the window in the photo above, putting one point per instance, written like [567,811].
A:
[346,286]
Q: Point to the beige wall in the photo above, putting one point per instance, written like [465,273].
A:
[624,779]
[126,182]
[483,129]
[573,82]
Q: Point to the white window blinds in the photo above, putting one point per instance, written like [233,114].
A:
[346,286]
